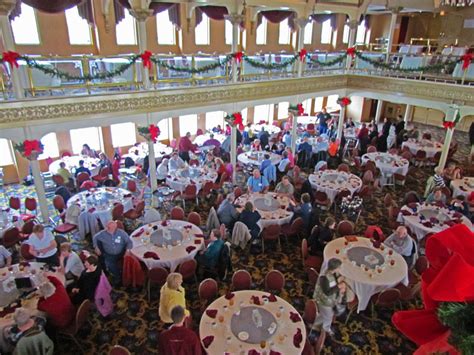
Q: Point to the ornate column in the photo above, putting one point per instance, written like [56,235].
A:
[300,25]
[150,133]
[378,112]
[391,32]
[343,102]
[8,43]
[352,24]
[294,124]
[39,187]
[408,114]
[235,20]
[451,115]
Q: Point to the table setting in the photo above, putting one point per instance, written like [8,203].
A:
[388,164]
[72,163]
[97,204]
[255,158]
[274,208]
[252,322]
[332,182]
[430,147]
[368,266]
[197,175]
[167,243]
[317,146]
[463,187]
[139,151]
[271,129]
[423,219]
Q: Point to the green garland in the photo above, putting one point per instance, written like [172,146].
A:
[332,62]
[271,66]
[459,317]
[204,69]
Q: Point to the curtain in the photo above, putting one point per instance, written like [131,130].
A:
[119,12]
[214,12]
[367,20]
[174,15]
[86,11]
[274,16]
[52,6]
[320,18]
[16,11]
[157,7]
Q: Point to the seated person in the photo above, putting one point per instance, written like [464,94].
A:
[402,243]
[320,236]
[175,162]
[179,339]
[218,129]
[304,210]
[212,141]
[287,138]
[172,294]
[257,182]
[436,197]
[285,187]
[438,179]
[55,302]
[350,123]
[70,264]
[459,204]
[284,163]
[227,213]
[209,162]
[266,162]
[255,145]
[162,170]
[452,172]
[333,148]
[43,245]
[5,257]
[64,173]
[82,169]
[63,192]
[250,218]
[305,147]
[88,151]
[88,281]
[210,257]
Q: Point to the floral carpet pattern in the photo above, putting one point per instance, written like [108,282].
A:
[135,324]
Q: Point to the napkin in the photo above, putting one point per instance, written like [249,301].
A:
[295,317]
[229,295]
[91,210]
[434,220]
[139,233]
[197,241]
[253,352]
[190,249]
[427,224]
[405,213]
[297,338]
[272,352]
[208,341]
[449,223]
[212,313]
[272,298]
[255,300]
[164,223]
[151,255]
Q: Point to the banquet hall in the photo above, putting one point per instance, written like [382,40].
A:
[236,177]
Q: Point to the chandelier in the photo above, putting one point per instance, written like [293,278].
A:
[457,3]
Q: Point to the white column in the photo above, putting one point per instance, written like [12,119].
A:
[233,151]
[340,123]
[152,165]
[8,44]
[391,32]
[141,12]
[378,112]
[450,116]
[351,41]
[301,24]
[408,114]
[293,132]
[39,187]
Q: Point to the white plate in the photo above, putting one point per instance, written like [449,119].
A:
[243,336]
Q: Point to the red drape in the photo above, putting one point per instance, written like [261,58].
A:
[52,6]
[275,16]
[214,12]
[320,18]
[157,7]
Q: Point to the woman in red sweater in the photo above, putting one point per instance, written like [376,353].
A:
[56,303]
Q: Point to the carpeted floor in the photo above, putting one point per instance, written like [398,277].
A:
[135,323]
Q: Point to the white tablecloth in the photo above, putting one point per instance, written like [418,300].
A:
[463,187]
[97,204]
[317,147]
[199,140]
[271,129]
[170,257]
[366,283]
[421,227]
[269,205]
[73,162]
[226,342]
[305,120]
[388,164]
[179,179]
[140,151]
[255,158]
[430,147]
[332,182]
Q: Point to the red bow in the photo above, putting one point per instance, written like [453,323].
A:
[448,124]
[466,60]
[344,101]
[11,58]
[31,146]
[238,120]
[302,54]
[154,132]
[238,57]
[146,59]
[351,51]
[300,109]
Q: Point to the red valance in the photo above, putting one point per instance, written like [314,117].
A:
[213,12]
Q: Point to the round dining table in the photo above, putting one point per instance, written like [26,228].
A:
[423,219]
[332,182]
[10,296]
[273,207]
[202,138]
[388,164]
[430,147]
[97,204]
[256,157]
[367,270]
[252,322]
[271,129]
[72,163]
[167,243]
[197,175]
[463,187]
[140,151]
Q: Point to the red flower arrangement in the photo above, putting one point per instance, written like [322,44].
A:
[296,109]
[151,132]
[466,60]
[238,56]
[351,51]
[235,120]
[30,149]
[11,58]
[451,124]
[146,59]
[302,54]
[344,101]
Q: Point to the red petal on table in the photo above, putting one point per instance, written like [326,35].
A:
[190,249]
[151,255]
[139,233]
[295,317]
[256,300]
[297,338]
[208,341]
[229,295]
[272,298]
[212,313]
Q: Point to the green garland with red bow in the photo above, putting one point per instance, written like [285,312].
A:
[451,124]
[235,120]
[30,149]
[344,101]
[296,109]
[150,132]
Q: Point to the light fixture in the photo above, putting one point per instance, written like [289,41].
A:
[457,3]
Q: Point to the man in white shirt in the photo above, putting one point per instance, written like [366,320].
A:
[402,243]
[162,170]
[175,162]
[5,257]
[69,262]
[43,245]
[284,162]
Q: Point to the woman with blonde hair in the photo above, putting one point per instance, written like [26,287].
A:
[172,294]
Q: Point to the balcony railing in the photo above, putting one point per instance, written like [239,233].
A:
[37,83]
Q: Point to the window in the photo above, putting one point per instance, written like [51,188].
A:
[78,28]
[90,135]
[332,103]
[244,115]
[308,33]
[166,129]
[202,32]
[51,149]
[244,39]
[345,34]
[263,113]
[25,27]
[165,29]
[6,158]
[123,134]
[307,106]
[188,123]
[214,118]
[283,110]
[326,32]
[318,104]
[284,34]
[262,32]
[126,31]
[361,31]
[228,33]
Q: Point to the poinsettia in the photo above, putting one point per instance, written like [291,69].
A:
[146,59]
[344,101]
[235,120]
[351,51]
[30,149]
[296,109]
[11,58]
[466,60]
[302,54]
[151,132]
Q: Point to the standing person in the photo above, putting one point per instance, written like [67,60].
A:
[287,139]
[111,244]
[471,141]
[116,168]
[304,210]
[264,138]
[172,294]
[327,294]
[323,118]
[250,218]
[320,236]
[363,137]
[88,281]
[55,302]
[227,213]
[186,146]
[70,263]
[43,245]
[178,339]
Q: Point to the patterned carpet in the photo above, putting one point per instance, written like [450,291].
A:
[135,323]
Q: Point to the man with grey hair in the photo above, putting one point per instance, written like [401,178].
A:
[227,213]
[402,243]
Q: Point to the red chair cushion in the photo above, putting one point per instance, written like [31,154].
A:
[65,228]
